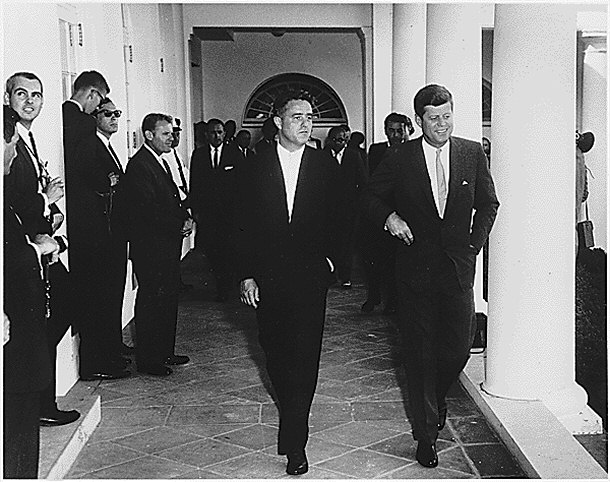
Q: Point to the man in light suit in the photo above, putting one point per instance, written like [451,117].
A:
[351,177]
[213,169]
[425,194]
[285,201]
[157,224]
[97,229]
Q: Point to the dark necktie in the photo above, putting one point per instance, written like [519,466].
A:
[215,157]
[43,176]
[34,149]
[115,157]
[167,169]
[184,186]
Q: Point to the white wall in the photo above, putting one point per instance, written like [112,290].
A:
[102,50]
[233,70]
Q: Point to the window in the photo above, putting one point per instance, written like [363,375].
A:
[486,102]
[328,110]
[67,37]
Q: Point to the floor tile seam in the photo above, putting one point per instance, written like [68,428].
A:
[236,457]
[334,471]
[141,455]
[182,428]
[469,461]
[190,466]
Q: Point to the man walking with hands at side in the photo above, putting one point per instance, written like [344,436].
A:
[434,183]
[284,205]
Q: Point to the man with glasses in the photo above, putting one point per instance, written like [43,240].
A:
[98,246]
[351,176]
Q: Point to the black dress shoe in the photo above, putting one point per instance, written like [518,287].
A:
[369,306]
[183,288]
[426,454]
[442,418]
[176,360]
[113,374]
[297,463]
[57,417]
[157,370]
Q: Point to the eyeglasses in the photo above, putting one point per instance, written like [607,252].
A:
[99,94]
[110,113]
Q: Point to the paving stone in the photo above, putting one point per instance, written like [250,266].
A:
[493,460]
[363,464]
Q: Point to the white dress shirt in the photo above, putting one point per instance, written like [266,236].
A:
[212,150]
[291,163]
[430,155]
[106,142]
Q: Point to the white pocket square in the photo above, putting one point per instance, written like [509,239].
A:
[228,168]
[464,183]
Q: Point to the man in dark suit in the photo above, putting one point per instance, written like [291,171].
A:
[269,131]
[242,140]
[98,246]
[377,246]
[351,176]
[33,194]
[89,89]
[213,185]
[27,366]
[425,194]
[285,201]
[157,224]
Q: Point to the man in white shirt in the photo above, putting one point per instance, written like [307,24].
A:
[98,246]
[425,194]
[285,233]
[33,194]
[157,224]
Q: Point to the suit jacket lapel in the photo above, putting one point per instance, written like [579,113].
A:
[278,180]
[302,183]
[419,162]
[457,167]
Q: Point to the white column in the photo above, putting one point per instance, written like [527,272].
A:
[382,67]
[530,354]
[453,59]
[408,56]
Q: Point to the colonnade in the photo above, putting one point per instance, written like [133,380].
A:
[531,330]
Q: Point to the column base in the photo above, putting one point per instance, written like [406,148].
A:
[585,422]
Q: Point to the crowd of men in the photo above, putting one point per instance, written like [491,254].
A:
[282,221]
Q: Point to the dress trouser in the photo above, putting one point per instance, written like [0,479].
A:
[21,435]
[216,240]
[62,316]
[101,283]
[290,333]
[156,308]
[438,327]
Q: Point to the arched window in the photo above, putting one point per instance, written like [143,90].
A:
[328,110]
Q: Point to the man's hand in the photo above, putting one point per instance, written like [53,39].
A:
[46,244]
[54,190]
[114,179]
[248,292]
[187,227]
[58,219]
[7,330]
[399,228]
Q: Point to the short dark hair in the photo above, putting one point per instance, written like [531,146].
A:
[431,94]
[356,138]
[333,131]
[213,122]
[279,105]
[89,79]
[10,123]
[12,80]
[401,119]
[150,121]
[103,102]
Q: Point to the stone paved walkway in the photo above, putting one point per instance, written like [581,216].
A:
[214,417]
